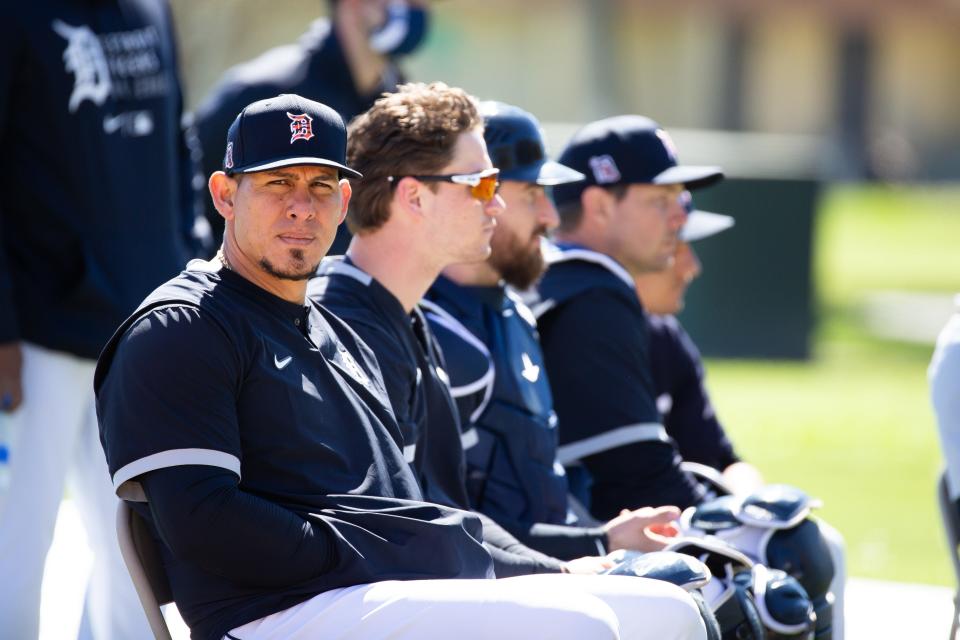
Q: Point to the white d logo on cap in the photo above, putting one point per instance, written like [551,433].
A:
[300,127]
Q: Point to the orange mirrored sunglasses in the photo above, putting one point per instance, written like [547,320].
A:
[483,185]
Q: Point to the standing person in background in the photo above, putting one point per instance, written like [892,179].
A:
[345,61]
[96,211]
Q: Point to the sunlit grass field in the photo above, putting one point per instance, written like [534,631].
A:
[853,426]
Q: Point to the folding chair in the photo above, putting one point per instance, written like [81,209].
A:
[951,526]
[140,554]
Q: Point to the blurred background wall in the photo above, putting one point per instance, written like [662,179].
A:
[875,78]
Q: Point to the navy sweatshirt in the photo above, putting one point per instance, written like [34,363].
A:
[96,207]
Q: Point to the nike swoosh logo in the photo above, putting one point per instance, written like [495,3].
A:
[282,363]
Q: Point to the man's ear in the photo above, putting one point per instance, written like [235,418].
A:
[409,195]
[597,205]
[346,192]
[223,189]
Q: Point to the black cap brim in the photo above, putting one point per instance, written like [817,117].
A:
[692,177]
[345,171]
[703,224]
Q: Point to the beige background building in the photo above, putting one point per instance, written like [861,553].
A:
[875,80]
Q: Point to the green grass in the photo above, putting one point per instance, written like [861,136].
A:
[853,426]
[887,238]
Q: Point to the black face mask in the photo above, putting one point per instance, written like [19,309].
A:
[404,30]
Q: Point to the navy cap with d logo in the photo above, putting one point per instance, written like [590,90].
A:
[283,131]
[627,150]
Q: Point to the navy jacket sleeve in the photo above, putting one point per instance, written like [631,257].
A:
[510,556]
[691,420]
[205,519]
[564,542]
[597,355]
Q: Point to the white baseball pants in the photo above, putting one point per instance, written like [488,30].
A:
[546,606]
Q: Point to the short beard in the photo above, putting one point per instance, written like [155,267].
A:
[517,265]
[297,255]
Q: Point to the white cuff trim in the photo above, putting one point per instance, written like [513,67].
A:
[130,490]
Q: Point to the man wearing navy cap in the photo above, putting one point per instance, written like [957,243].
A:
[252,429]
[622,221]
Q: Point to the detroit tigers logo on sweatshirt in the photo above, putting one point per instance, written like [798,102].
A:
[301,127]
[122,65]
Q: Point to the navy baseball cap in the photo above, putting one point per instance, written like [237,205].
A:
[515,144]
[283,131]
[702,224]
[627,150]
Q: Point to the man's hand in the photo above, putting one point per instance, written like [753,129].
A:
[11,362]
[645,529]
[354,21]
[589,565]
